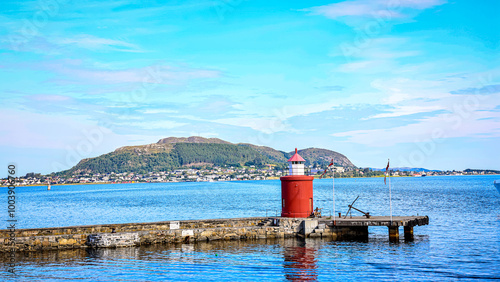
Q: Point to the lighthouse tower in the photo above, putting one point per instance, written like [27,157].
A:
[296,190]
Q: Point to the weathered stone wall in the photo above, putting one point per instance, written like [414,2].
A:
[113,240]
[129,234]
[129,227]
[187,231]
[45,242]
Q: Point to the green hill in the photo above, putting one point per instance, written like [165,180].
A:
[171,153]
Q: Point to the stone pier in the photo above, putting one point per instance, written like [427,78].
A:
[189,231]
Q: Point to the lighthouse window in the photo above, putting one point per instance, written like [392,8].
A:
[283,202]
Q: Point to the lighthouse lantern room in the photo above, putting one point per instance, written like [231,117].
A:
[296,190]
[296,164]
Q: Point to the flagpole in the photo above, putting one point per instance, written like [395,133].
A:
[390,192]
[333,179]
[334,222]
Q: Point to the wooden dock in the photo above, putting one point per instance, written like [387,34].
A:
[407,222]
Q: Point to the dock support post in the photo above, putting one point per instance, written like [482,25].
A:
[394,234]
[408,233]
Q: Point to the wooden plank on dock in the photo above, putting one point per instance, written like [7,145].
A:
[408,221]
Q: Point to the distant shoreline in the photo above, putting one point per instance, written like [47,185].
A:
[273,178]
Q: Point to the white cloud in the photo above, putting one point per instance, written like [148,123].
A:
[265,125]
[74,71]
[406,90]
[368,66]
[33,130]
[91,42]
[150,125]
[371,8]
[451,125]
[159,111]
[50,98]
[406,110]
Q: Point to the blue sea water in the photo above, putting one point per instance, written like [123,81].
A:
[462,241]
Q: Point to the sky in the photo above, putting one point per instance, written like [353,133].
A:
[413,81]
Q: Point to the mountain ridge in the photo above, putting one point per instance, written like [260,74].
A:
[192,139]
[176,152]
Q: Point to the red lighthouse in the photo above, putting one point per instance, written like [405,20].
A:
[296,190]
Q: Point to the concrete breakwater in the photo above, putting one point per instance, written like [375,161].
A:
[185,231]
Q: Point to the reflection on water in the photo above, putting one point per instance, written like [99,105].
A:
[290,259]
[300,260]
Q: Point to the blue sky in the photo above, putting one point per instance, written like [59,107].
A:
[416,81]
